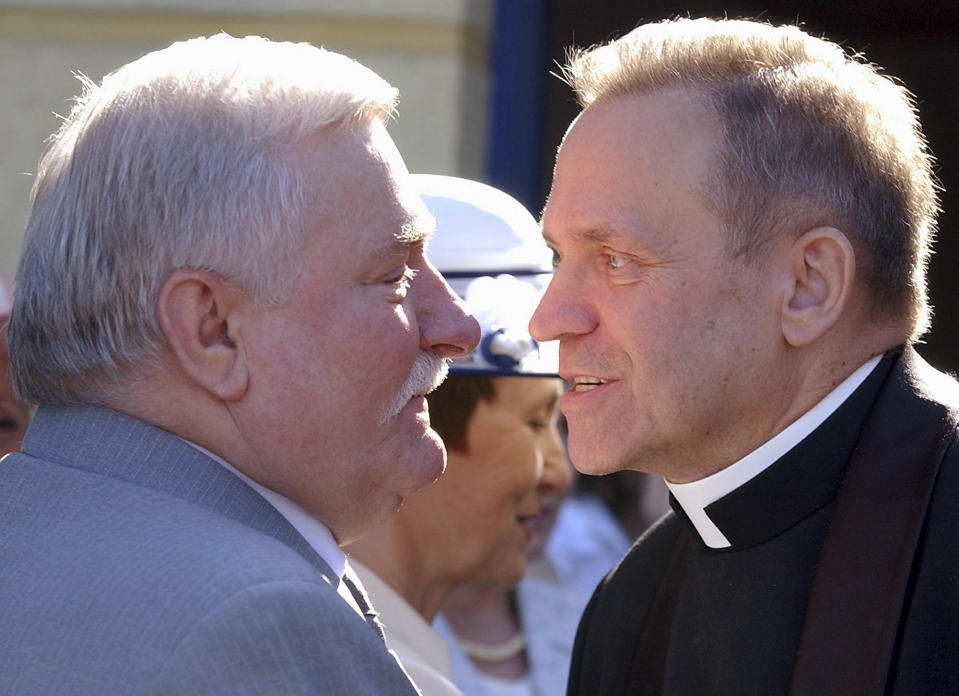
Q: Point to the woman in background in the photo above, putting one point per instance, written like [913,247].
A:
[497,414]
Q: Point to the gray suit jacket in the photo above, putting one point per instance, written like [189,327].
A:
[132,563]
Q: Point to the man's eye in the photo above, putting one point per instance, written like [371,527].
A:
[556,258]
[402,280]
[616,261]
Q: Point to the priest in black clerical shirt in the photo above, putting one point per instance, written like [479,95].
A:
[741,218]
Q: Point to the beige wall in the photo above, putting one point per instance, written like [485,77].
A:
[433,51]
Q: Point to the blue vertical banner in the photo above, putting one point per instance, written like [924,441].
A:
[519,72]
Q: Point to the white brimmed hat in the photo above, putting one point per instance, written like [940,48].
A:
[490,250]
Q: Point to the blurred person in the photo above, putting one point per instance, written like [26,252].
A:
[598,522]
[222,239]
[742,217]
[517,639]
[497,415]
[14,414]
[512,639]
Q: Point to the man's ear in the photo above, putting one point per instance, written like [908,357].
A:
[823,270]
[199,317]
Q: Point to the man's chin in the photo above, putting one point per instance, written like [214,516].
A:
[418,461]
[436,460]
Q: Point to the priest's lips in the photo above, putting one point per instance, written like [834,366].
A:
[583,388]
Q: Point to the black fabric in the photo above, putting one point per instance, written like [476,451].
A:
[649,656]
[738,612]
[865,566]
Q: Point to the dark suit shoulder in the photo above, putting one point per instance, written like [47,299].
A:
[613,620]
[929,653]
[644,561]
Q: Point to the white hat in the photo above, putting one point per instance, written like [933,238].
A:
[490,250]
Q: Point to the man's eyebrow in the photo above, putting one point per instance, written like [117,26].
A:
[546,238]
[600,234]
[603,234]
[417,230]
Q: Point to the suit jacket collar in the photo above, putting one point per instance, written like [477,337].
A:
[106,442]
[800,482]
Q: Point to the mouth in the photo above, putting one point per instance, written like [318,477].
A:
[527,524]
[416,409]
[585,383]
[530,515]
[538,524]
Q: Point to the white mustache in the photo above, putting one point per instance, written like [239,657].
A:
[427,373]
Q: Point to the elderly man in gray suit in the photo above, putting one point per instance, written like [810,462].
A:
[224,311]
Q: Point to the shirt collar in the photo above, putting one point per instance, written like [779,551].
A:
[695,496]
[407,631]
[310,528]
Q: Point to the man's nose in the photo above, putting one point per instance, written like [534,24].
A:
[562,311]
[446,329]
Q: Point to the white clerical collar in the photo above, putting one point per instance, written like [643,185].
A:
[695,496]
[315,532]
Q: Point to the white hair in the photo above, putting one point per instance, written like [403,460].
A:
[177,160]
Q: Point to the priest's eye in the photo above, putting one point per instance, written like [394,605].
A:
[616,261]
[556,257]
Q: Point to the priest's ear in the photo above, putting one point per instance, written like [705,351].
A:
[822,273]
[200,317]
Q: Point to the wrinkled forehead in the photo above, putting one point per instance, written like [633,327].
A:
[417,223]
[645,153]
[361,192]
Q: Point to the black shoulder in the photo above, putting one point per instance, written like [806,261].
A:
[612,623]
[645,559]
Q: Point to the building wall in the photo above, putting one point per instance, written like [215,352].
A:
[433,51]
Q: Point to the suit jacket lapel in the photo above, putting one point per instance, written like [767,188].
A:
[864,569]
[355,586]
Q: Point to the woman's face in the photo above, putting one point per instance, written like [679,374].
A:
[482,512]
